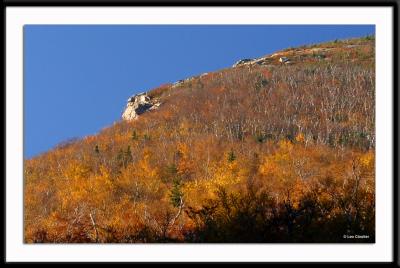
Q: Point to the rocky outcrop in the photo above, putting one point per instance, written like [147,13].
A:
[242,62]
[183,81]
[178,83]
[284,60]
[259,61]
[139,104]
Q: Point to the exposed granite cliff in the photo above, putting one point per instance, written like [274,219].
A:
[139,104]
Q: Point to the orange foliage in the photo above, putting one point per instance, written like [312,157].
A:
[260,154]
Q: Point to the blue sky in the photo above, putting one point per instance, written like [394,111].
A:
[77,78]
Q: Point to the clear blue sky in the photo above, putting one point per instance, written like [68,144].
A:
[77,78]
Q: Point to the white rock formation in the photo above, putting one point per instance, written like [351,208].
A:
[284,60]
[259,61]
[177,83]
[137,105]
[242,62]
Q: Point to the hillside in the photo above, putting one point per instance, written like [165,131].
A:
[263,151]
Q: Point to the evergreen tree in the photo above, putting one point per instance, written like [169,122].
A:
[120,159]
[146,137]
[176,193]
[231,156]
[134,136]
[128,156]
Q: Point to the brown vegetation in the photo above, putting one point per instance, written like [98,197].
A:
[281,153]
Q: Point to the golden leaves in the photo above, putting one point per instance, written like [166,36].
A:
[367,159]
[300,138]
[206,132]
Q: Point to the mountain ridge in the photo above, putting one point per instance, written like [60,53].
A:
[320,52]
[268,152]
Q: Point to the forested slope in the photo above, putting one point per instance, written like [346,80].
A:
[256,153]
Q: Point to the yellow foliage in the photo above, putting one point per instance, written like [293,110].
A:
[77,170]
[367,159]
[300,138]
[285,145]
[211,134]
